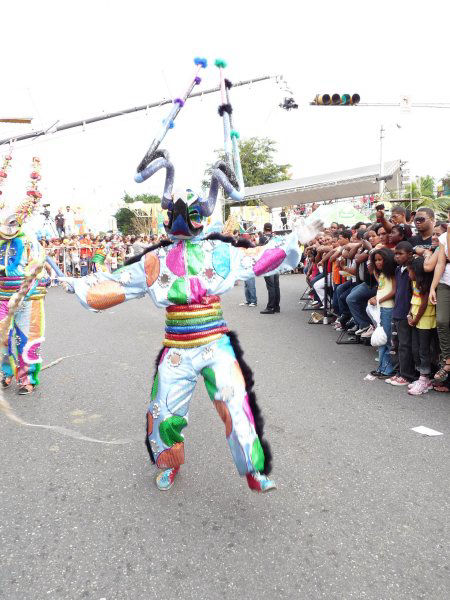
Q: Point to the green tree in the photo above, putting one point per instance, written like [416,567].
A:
[258,166]
[422,193]
[124,217]
[257,161]
[145,198]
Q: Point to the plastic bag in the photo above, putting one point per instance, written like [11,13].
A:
[373,312]
[379,337]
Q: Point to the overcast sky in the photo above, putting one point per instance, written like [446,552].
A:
[70,61]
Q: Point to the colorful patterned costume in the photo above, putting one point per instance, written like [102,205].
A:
[20,255]
[187,278]
[21,355]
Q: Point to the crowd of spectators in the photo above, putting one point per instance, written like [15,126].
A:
[395,274]
[79,255]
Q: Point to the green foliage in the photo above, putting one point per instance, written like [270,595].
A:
[124,218]
[422,193]
[145,198]
[424,187]
[258,165]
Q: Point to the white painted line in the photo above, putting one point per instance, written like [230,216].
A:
[426,431]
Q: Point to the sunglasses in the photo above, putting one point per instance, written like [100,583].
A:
[420,219]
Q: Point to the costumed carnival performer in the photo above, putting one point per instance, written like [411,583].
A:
[186,275]
[20,251]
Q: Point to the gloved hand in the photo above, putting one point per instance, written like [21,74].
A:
[67,284]
[306,233]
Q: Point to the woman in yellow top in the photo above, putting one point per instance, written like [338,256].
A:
[384,269]
[422,319]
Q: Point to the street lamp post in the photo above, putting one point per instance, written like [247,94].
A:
[381,182]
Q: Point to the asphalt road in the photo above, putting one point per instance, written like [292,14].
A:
[362,506]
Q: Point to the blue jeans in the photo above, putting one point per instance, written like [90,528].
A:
[250,291]
[342,291]
[357,303]
[385,364]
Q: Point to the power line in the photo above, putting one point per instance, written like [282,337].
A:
[104,117]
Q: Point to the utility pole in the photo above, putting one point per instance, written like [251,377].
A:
[381,182]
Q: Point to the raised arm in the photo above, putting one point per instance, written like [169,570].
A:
[100,291]
[279,255]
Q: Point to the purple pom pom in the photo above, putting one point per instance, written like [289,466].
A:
[197,80]
[179,101]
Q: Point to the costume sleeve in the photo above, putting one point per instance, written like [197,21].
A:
[35,253]
[279,255]
[100,291]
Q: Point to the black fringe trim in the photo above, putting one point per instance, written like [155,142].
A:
[147,441]
[137,258]
[257,415]
[228,84]
[229,239]
[225,108]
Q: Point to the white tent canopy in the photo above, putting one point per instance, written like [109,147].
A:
[362,181]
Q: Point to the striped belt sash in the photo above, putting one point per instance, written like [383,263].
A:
[192,325]
[11,285]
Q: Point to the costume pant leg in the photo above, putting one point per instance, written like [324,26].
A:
[167,413]
[29,325]
[226,387]
[8,362]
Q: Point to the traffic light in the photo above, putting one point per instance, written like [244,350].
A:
[336,99]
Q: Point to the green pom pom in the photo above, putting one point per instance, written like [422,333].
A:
[235,134]
[219,62]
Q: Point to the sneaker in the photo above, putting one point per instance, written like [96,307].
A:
[368,333]
[244,304]
[362,330]
[421,386]
[380,375]
[258,482]
[353,329]
[398,380]
[252,304]
[164,480]
[315,303]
